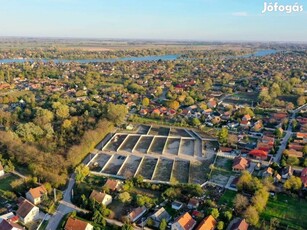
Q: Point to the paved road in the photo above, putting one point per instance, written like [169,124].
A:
[65,206]
[288,135]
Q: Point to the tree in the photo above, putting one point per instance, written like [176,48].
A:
[124,197]
[301,101]
[260,199]
[163,225]
[240,202]
[278,133]
[215,213]
[293,183]
[227,215]
[61,111]
[223,135]
[251,215]
[116,113]
[81,171]
[127,226]
[98,218]
[220,225]
[145,102]
[293,161]
[173,104]
[195,121]
[305,149]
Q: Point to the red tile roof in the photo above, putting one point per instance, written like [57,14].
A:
[258,153]
[186,221]
[240,225]
[38,191]
[240,163]
[207,224]
[75,224]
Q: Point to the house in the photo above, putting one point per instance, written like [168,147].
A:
[240,224]
[246,117]
[184,222]
[136,213]
[1,170]
[36,195]
[101,197]
[159,215]
[10,225]
[76,224]
[211,104]
[258,154]
[113,185]
[294,153]
[193,203]
[239,164]
[225,149]
[287,172]
[27,212]
[304,177]
[301,136]
[245,124]
[268,172]
[177,205]
[208,223]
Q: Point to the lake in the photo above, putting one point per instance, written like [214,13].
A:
[170,57]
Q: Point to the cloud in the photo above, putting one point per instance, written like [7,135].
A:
[240,14]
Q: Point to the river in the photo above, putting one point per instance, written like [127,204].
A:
[170,57]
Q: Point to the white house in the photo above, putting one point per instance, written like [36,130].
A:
[36,195]
[27,212]
[1,170]
[101,198]
[136,214]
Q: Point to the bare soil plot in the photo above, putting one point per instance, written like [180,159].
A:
[115,164]
[116,142]
[147,167]
[179,133]
[164,170]
[144,144]
[224,163]
[187,147]
[97,164]
[143,129]
[157,145]
[129,168]
[181,171]
[220,177]
[198,171]
[154,130]
[129,143]
[172,146]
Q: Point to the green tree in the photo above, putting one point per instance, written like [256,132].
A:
[278,133]
[145,102]
[220,225]
[251,215]
[81,171]
[195,121]
[293,183]
[163,225]
[173,104]
[301,101]
[116,113]
[215,213]
[227,215]
[124,197]
[223,135]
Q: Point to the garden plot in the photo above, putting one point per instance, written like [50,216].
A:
[157,145]
[147,167]
[97,164]
[143,129]
[198,171]
[220,177]
[114,165]
[144,144]
[164,170]
[116,141]
[187,147]
[181,171]
[129,168]
[129,143]
[172,146]
[179,133]
[161,131]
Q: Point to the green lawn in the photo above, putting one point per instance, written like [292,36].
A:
[227,198]
[6,181]
[291,212]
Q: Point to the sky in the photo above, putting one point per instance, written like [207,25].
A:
[201,20]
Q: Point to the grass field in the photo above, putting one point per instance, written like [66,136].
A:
[6,181]
[291,212]
[227,198]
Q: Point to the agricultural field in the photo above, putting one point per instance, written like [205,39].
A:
[129,168]
[114,165]
[129,143]
[147,167]
[187,147]
[179,133]
[144,144]
[172,146]
[99,162]
[158,145]
[115,142]
[181,171]
[164,170]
